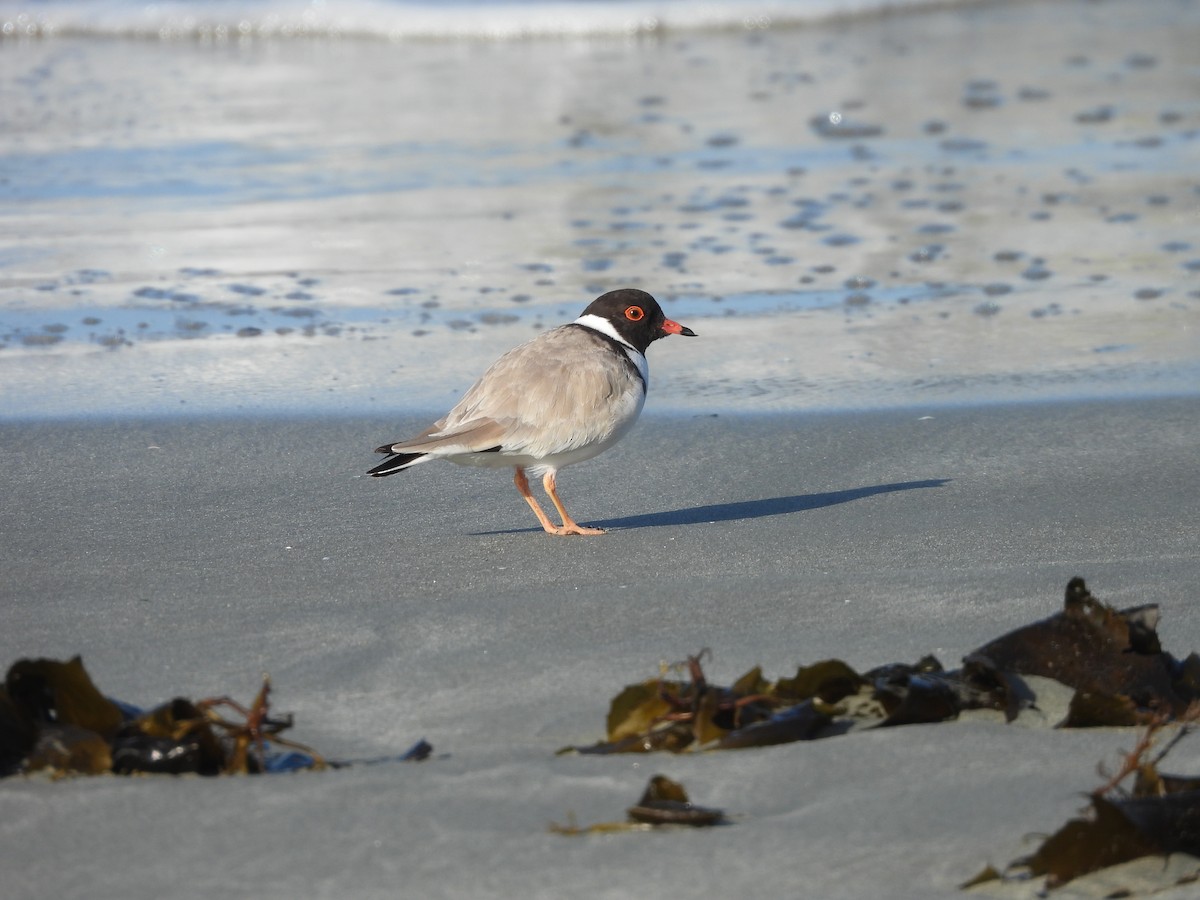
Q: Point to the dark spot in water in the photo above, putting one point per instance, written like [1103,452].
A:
[652,100]
[840,240]
[247,290]
[249,331]
[982,94]
[1147,294]
[1192,265]
[597,265]
[298,312]
[401,292]
[935,228]
[949,206]
[497,318]
[520,298]
[1007,255]
[1158,200]
[460,325]
[1032,94]
[56,328]
[298,295]
[835,126]
[926,254]
[857,300]
[1141,61]
[723,140]
[859,283]
[90,320]
[1041,215]
[1118,218]
[996,289]
[824,269]
[779,260]
[987,309]
[1036,273]
[934,127]
[674,259]
[194,272]
[1097,115]
[963,145]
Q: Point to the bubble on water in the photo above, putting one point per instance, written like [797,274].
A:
[834,125]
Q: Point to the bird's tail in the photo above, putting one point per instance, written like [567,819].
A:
[395,463]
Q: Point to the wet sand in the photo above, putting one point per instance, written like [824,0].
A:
[991,202]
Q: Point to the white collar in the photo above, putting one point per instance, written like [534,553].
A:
[605,327]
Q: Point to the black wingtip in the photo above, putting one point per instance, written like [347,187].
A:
[395,463]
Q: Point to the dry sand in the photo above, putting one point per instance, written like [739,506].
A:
[189,556]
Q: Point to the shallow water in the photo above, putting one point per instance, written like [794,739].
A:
[888,197]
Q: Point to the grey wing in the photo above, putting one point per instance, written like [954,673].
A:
[563,390]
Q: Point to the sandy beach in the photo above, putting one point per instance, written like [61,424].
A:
[196,555]
[945,273]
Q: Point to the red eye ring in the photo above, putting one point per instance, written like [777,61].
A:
[635,313]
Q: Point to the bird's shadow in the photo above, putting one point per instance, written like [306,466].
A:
[752,509]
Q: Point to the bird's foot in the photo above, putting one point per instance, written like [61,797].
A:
[574,528]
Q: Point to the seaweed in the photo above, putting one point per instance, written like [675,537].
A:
[1111,659]
[663,804]
[54,719]
[1158,817]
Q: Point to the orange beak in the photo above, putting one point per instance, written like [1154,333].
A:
[670,327]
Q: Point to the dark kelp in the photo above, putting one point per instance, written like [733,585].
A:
[1112,659]
[1101,652]
[1158,817]
[663,804]
[54,719]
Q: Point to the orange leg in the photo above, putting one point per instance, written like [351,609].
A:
[522,484]
[569,526]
